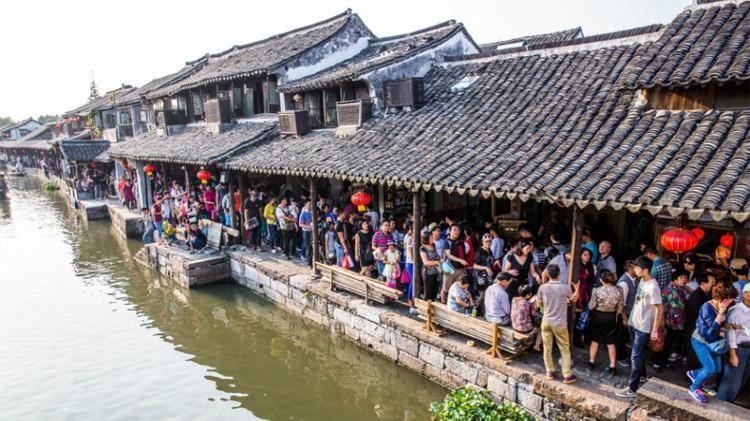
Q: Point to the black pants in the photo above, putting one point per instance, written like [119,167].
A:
[254,239]
[673,342]
[287,241]
[430,286]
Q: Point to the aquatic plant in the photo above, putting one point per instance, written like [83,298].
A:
[50,185]
[470,404]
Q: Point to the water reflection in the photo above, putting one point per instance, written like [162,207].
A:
[260,360]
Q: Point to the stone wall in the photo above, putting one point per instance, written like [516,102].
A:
[127,223]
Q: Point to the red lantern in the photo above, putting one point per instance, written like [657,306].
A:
[204,176]
[679,240]
[698,232]
[723,253]
[361,199]
[149,169]
[727,240]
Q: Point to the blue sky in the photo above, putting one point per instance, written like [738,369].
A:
[50,50]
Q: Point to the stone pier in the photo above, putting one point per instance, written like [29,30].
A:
[188,269]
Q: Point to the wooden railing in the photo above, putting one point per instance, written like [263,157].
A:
[498,337]
[370,289]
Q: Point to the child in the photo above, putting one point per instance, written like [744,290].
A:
[391,257]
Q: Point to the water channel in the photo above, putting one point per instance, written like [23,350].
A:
[86,333]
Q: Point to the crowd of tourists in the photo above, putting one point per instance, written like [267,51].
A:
[693,316]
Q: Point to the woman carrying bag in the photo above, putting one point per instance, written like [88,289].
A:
[607,315]
[707,340]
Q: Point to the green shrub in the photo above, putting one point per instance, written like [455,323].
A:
[50,185]
[469,404]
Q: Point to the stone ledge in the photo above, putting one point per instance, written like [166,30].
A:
[673,402]
[593,399]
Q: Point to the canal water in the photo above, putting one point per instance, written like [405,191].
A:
[86,333]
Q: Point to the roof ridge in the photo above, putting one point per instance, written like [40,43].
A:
[237,47]
[450,22]
[614,38]
[706,4]
[577,29]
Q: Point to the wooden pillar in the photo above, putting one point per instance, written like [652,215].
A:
[417,235]
[314,212]
[230,192]
[575,246]
[241,219]
[381,203]
[187,182]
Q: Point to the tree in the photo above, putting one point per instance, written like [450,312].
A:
[48,118]
[5,120]
[93,90]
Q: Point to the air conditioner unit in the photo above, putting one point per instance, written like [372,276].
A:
[404,93]
[295,123]
[353,113]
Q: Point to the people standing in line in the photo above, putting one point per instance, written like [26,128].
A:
[607,309]
[431,266]
[497,307]
[737,366]
[498,244]
[455,256]
[363,249]
[521,266]
[695,301]
[252,221]
[391,259]
[706,339]
[691,265]
[587,242]
[269,214]
[627,284]
[148,226]
[586,280]
[675,299]
[305,225]
[380,245]
[606,260]
[287,224]
[661,269]
[645,321]
[554,298]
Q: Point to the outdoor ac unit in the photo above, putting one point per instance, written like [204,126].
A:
[404,93]
[295,123]
[218,110]
[353,113]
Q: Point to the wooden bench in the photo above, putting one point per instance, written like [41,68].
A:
[218,234]
[370,289]
[498,337]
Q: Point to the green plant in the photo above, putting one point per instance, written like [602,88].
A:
[470,404]
[50,185]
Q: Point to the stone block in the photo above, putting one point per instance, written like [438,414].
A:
[369,312]
[443,377]
[251,274]
[501,388]
[385,349]
[482,376]
[299,281]
[411,361]
[351,332]
[280,287]
[432,355]
[275,296]
[461,369]
[529,400]
[236,267]
[406,344]
[298,297]
[342,316]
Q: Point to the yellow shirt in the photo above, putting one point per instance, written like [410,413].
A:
[269,212]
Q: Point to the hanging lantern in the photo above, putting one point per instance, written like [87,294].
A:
[679,240]
[727,240]
[723,253]
[204,176]
[698,231]
[361,199]
[149,170]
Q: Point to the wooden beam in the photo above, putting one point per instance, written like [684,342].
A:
[314,212]
[417,236]
[575,247]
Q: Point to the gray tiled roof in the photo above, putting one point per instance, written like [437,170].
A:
[41,145]
[379,53]
[555,127]
[83,150]
[701,45]
[42,132]
[194,145]
[259,56]
[104,102]
[153,86]
[551,37]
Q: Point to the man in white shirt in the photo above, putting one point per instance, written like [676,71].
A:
[497,302]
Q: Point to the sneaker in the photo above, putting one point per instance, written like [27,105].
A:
[570,379]
[709,391]
[657,368]
[591,365]
[273,250]
[698,395]
[623,363]
[550,375]
[611,371]
[625,393]
[691,376]
[673,357]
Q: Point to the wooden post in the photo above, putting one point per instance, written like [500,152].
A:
[241,218]
[575,246]
[230,192]
[494,350]
[417,236]
[381,203]
[314,212]
[187,182]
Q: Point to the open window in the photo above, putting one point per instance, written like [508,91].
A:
[728,96]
